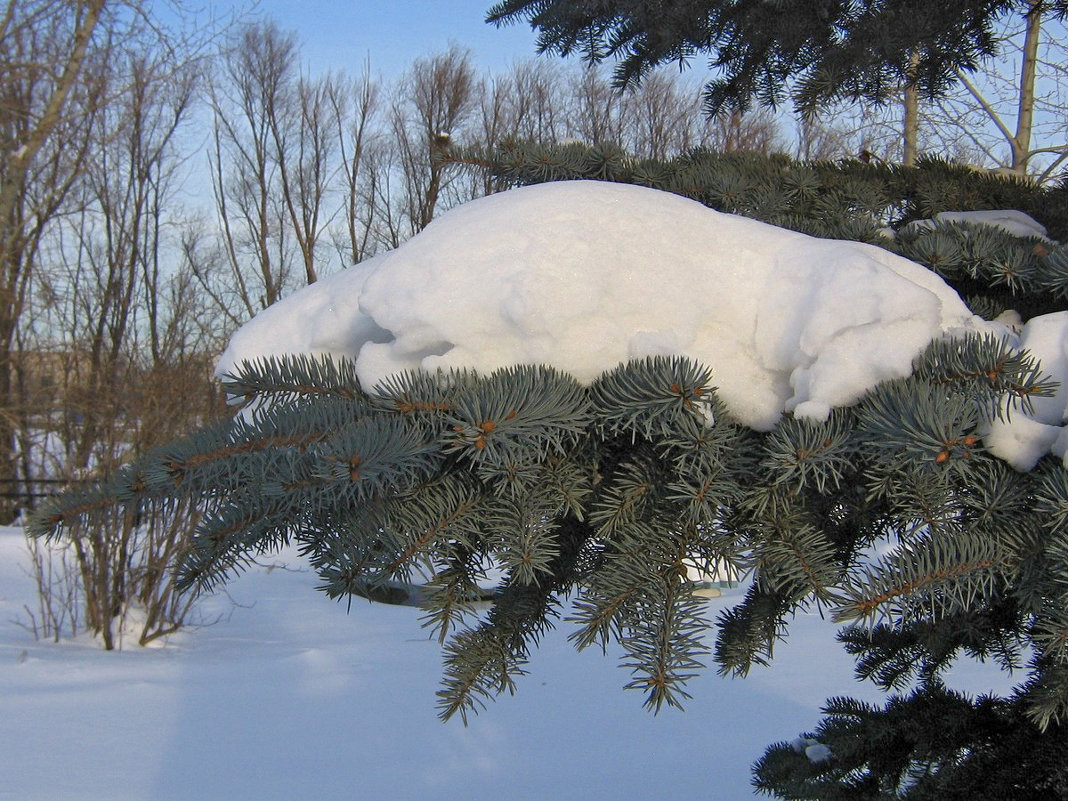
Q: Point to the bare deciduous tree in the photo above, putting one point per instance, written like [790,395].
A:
[538,108]
[355,107]
[104,315]
[434,102]
[595,109]
[1015,119]
[755,131]
[252,104]
[662,117]
[47,109]
[305,146]
[116,271]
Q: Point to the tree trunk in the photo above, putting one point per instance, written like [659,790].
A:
[1021,142]
[912,117]
[13,199]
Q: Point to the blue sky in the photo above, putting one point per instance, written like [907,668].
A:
[393,33]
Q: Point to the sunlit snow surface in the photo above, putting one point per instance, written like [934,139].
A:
[1011,221]
[1021,440]
[584,275]
[284,697]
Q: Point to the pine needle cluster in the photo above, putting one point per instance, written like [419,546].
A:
[769,51]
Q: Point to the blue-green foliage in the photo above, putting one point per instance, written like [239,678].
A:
[619,491]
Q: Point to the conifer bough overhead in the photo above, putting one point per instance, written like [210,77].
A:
[602,499]
[814,50]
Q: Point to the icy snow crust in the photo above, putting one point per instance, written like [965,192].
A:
[584,275]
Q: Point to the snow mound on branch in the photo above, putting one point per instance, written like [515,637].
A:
[1011,221]
[584,275]
[1022,439]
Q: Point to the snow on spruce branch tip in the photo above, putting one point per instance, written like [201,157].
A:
[583,275]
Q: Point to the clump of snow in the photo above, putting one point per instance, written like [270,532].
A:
[818,752]
[584,275]
[814,750]
[1014,222]
[1022,439]
[1011,319]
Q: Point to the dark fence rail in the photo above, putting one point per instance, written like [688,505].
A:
[21,489]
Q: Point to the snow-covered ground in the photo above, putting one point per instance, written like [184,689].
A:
[287,696]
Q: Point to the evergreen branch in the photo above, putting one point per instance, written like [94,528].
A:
[894,656]
[484,662]
[997,505]
[522,536]
[598,615]
[517,409]
[625,498]
[913,420]
[1046,698]
[1051,497]
[227,540]
[917,500]
[703,498]
[177,465]
[932,743]
[294,375]
[450,596]
[940,575]
[635,566]
[66,512]
[647,398]
[373,456]
[131,492]
[1049,632]
[663,642]
[1053,276]
[748,632]
[432,532]
[571,482]
[800,451]
[220,456]
[418,393]
[694,444]
[987,368]
[479,666]
[797,561]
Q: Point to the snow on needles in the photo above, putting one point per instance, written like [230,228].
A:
[1022,439]
[584,275]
